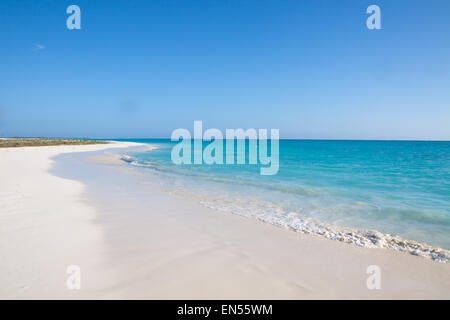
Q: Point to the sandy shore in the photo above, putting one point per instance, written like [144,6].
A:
[63,206]
[44,226]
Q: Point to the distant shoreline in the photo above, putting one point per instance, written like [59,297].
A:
[39,142]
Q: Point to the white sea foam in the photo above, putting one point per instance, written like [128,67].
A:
[127,158]
[363,238]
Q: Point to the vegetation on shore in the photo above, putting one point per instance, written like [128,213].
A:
[36,142]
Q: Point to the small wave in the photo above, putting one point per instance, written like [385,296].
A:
[363,238]
[129,159]
[303,191]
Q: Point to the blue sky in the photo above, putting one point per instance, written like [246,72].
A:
[143,68]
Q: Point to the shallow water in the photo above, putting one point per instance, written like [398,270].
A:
[400,188]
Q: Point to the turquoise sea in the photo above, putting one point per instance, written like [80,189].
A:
[401,188]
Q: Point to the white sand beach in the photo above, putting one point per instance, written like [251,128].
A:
[132,239]
[44,227]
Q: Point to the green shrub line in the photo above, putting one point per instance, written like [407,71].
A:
[37,142]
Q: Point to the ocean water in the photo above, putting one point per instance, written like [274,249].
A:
[372,193]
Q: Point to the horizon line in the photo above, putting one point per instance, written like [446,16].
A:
[165,138]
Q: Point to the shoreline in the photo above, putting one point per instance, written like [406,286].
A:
[367,238]
[140,242]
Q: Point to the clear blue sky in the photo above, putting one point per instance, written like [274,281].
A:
[143,68]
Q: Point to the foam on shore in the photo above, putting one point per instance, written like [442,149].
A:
[363,238]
